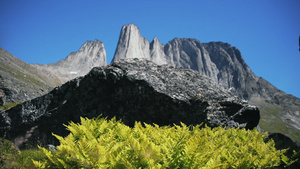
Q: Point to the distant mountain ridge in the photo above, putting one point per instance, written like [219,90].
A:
[21,81]
[226,66]
[220,61]
[91,54]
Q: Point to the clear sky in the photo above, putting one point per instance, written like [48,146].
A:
[265,31]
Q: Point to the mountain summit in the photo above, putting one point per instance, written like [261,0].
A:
[91,54]
[219,61]
[132,45]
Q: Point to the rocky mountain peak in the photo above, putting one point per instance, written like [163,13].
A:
[90,54]
[157,54]
[131,29]
[131,44]
[90,45]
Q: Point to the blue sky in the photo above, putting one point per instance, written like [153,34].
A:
[265,31]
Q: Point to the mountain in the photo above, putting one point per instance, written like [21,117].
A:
[20,81]
[219,61]
[132,45]
[225,65]
[91,54]
[131,90]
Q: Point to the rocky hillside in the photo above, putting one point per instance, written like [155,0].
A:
[20,81]
[225,65]
[132,90]
[91,54]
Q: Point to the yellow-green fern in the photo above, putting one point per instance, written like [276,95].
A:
[102,143]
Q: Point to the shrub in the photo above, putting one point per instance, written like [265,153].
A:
[7,151]
[11,158]
[101,143]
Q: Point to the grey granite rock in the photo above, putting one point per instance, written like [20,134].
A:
[79,63]
[132,45]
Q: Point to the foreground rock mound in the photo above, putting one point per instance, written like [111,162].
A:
[132,90]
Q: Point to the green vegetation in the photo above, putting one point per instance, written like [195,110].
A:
[7,151]
[30,77]
[8,106]
[270,115]
[98,143]
[11,158]
[101,143]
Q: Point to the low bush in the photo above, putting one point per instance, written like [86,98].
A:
[12,158]
[7,151]
[101,143]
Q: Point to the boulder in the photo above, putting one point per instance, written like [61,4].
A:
[131,90]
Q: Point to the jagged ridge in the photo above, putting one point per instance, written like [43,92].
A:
[91,54]
[226,66]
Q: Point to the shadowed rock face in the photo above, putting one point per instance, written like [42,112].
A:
[132,90]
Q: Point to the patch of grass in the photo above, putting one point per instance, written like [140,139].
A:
[24,159]
[31,76]
[7,151]
[8,106]
[271,121]
[11,158]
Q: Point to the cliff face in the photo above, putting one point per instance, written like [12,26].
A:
[132,45]
[219,61]
[132,90]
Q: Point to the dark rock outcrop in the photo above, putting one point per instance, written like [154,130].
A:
[132,90]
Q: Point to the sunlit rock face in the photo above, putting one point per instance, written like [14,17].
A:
[132,45]
[91,54]
[131,90]
[217,60]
